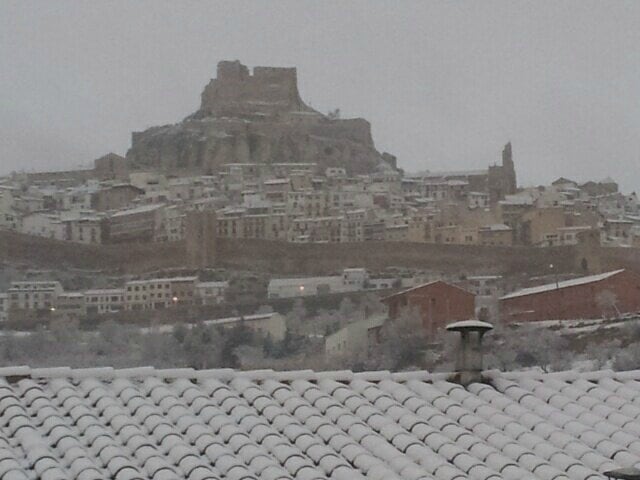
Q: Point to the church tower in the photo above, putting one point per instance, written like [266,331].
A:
[508,170]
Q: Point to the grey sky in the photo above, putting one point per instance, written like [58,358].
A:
[444,84]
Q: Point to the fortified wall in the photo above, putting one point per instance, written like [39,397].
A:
[311,259]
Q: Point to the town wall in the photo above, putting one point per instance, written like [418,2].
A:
[312,259]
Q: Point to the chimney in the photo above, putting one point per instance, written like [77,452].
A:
[469,352]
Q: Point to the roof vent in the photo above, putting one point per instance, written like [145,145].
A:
[630,473]
[469,352]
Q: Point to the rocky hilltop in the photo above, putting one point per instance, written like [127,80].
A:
[255,117]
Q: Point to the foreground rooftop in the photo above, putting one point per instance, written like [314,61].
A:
[143,423]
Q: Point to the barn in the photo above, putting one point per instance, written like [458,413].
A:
[438,303]
[604,295]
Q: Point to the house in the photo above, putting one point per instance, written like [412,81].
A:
[4,307]
[115,197]
[157,293]
[34,295]
[137,224]
[304,287]
[272,324]
[595,296]
[211,293]
[106,300]
[496,234]
[70,306]
[438,303]
[43,224]
[352,338]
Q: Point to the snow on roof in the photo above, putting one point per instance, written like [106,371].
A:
[452,173]
[417,287]
[140,209]
[469,325]
[181,423]
[496,227]
[104,291]
[563,284]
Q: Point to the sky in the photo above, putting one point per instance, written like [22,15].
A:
[444,84]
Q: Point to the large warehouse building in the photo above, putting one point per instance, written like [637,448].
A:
[595,296]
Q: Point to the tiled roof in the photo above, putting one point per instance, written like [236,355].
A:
[143,423]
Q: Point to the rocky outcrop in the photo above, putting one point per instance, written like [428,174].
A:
[254,118]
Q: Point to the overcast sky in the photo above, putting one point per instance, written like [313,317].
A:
[444,84]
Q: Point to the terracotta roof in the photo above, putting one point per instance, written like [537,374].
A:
[142,423]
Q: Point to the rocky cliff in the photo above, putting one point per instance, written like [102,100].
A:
[254,117]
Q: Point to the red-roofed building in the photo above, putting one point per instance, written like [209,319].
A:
[438,303]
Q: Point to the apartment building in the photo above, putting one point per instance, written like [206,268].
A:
[101,301]
[211,293]
[4,307]
[34,295]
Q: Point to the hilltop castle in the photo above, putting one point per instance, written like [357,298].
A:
[257,118]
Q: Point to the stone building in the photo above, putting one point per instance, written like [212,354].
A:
[200,238]
[496,180]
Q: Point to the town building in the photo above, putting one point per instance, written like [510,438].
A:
[70,306]
[102,301]
[437,303]
[34,295]
[497,234]
[607,294]
[354,338]
[211,293]
[4,307]
[137,224]
[272,325]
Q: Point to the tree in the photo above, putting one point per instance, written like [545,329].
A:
[607,301]
[510,347]
[203,347]
[403,341]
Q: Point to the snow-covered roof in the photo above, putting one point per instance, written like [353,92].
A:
[144,423]
[563,284]
[140,209]
[418,287]
[496,227]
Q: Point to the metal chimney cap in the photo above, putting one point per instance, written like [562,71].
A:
[469,326]
[630,473]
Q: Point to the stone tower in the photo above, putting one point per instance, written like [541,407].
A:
[502,178]
[508,170]
[200,238]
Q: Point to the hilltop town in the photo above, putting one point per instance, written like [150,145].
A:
[257,204]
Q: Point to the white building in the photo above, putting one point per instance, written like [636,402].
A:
[147,294]
[351,280]
[304,287]
[355,278]
[159,293]
[36,295]
[101,301]
[355,338]
[43,224]
[211,293]
[4,307]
